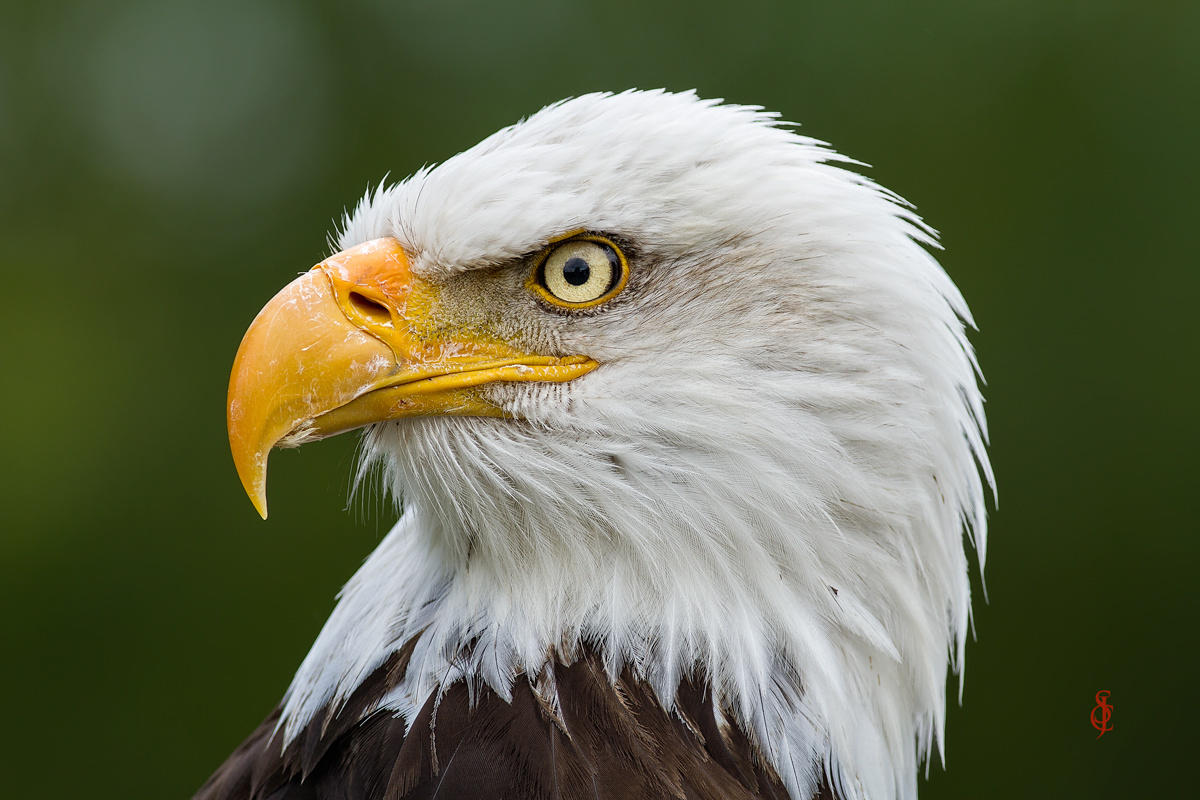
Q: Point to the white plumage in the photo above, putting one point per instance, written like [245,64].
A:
[767,480]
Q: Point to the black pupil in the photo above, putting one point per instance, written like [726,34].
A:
[576,271]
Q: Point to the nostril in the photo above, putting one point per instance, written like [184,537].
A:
[373,310]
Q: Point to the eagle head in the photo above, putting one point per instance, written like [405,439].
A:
[657,378]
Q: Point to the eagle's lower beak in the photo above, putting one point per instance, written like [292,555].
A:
[353,341]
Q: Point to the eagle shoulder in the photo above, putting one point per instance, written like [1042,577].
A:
[599,738]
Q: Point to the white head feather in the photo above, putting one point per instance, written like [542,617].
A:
[768,479]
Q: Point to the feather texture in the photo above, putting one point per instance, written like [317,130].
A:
[604,739]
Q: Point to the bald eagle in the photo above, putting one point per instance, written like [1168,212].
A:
[686,434]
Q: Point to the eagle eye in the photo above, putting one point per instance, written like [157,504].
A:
[580,272]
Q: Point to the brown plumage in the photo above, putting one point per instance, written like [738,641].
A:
[604,740]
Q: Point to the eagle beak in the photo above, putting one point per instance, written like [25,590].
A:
[353,341]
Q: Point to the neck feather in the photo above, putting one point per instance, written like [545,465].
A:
[765,569]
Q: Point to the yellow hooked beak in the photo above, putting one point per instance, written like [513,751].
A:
[351,342]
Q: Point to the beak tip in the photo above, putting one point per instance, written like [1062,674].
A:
[258,498]
[256,490]
[253,474]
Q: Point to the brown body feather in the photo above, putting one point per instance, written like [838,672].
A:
[604,741]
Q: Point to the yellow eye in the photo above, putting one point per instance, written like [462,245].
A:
[581,272]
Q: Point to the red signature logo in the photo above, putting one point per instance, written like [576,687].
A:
[1102,713]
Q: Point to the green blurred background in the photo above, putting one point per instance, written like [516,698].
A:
[166,166]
